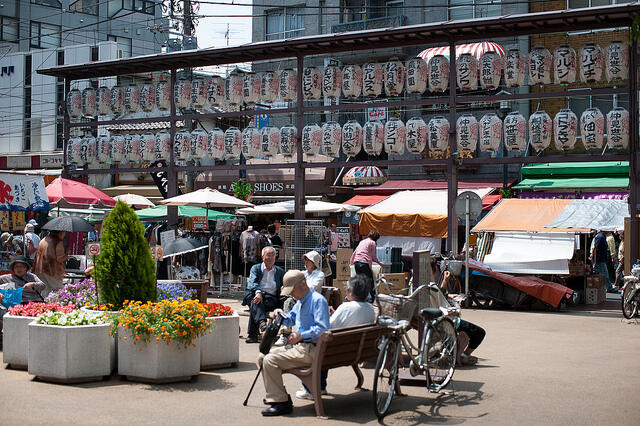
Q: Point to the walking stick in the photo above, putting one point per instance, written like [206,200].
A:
[251,390]
[268,339]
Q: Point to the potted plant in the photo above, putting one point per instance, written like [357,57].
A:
[174,291]
[220,347]
[76,294]
[160,342]
[71,347]
[15,351]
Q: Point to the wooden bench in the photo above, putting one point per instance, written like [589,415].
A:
[339,348]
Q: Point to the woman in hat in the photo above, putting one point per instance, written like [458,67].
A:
[51,257]
[20,277]
[313,270]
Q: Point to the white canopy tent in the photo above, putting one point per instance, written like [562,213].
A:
[288,207]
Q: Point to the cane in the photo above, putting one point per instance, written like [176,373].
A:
[270,336]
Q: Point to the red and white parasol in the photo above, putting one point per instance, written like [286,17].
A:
[476,49]
[364,175]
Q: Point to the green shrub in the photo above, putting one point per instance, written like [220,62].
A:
[125,269]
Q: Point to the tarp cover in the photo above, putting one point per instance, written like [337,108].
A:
[288,207]
[410,244]
[606,215]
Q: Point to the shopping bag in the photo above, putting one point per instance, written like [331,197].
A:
[11,297]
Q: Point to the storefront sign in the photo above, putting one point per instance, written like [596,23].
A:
[51,161]
[379,113]
[344,240]
[167,236]
[22,193]
[17,218]
[4,221]
[199,222]
[19,162]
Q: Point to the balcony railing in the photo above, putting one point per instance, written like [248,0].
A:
[367,24]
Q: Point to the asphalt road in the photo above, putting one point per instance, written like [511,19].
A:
[574,367]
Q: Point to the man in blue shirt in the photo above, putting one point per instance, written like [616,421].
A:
[310,315]
[599,257]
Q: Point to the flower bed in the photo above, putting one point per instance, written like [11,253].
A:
[75,294]
[174,291]
[220,347]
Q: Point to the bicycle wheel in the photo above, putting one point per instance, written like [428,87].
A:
[629,304]
[386,375]
[440,354]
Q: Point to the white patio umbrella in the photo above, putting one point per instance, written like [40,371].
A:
[135,200]
[312,206]
[207,198]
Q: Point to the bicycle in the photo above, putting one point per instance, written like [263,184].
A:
[436,356]
[631,293]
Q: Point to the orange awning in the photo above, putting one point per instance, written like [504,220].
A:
[365,200]
[405,225]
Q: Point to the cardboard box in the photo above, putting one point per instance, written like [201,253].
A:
[397,282]
[595,296]
[343,270]
[596,281]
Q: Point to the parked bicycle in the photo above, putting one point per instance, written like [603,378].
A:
[436,354]
[631,293]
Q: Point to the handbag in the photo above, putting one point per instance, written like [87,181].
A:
[270,335]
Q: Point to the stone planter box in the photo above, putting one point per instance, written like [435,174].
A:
[15,341]
[156,361]
[220,349]
[71,354]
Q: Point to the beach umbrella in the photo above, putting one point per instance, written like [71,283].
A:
[70,193]
[135,200]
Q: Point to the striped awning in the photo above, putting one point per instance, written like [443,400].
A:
[364,175]
[476,49]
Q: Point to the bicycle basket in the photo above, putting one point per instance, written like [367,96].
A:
[399,308]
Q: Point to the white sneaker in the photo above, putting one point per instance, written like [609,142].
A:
[281,341]
[303,394]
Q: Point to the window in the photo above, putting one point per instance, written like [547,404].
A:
[26,146]
[95,53]
[142,6]
[393,7]
[45,36]
[8,29]
[471,9]
[124,45]
[322,17]
[285,23]
[90,7]
[352,10]
[50,3]
[580,4]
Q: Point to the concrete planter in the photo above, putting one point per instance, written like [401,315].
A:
[71,354]
[15,341]
[156,361]
[220,349]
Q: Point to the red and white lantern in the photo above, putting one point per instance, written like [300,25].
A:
[269,84]
[215,91]
[215,145]
[104,149]
[163,95]
[490,131]
[438,134]
[288,140]
[617,61]
[591,63]
[565,129]
[83,151]
[394,73]
[182,145]
[198,93]
[311,139]
[438,73]
[132,147]
[182,93]
[89,107]
[618,128]
[467,72]
[251,88]
[270,141]
[417,72]
[199,142]
[132,98]
[352,81]
[312,83]
[515,131]
[351,138]
[331,139]
[416,135]
[372,79]
[540,66]
[490,70]
[288,85]
[592,128]
[90,149]
[233,89]
[74,103]
[540,130]
[395,136]
[332,82]
[117,100]
[251,142]
[162,146]
[117,149]
[467,133]
[74,150]
[103,101]
[232,143]
[147,146]
[564,65]
[147,97]
[373,137]
[515,68]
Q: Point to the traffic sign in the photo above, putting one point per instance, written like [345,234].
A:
[159,253]
[475,204]
[93,249]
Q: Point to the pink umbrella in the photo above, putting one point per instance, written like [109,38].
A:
[70,193]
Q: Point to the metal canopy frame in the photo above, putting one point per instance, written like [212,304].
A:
[450,32]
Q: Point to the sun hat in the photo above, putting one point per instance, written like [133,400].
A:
[290,279]
[315,257]
[19,259]
[5,237]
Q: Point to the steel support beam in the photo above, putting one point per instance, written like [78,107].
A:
[452,166]
[67,131]
[299,212]
[634,184]
[172,173]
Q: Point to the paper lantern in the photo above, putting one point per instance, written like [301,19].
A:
[132,98]
[132,150]
[438,134]
[332,82]
[591,63]
[312,83]
[395,136]
[251,142]
[540,66]
[233,89]
[564,65]
[162,146]
[269,83]
[565,129]
[182,145]
[617,61]
[352,81]
[417,71]
[372,79]
[515,131]
[438,68]
[215,91]
[117,149]
[182,93]
[89,107]
[82,147]
[198,92]
[351,138]
[490,132]
[467,72]
[373,137]
[251,88]
[270,141]
[540,130]
[74,150]
[147,97]
[117,100]
[199,142]
[331,139]
[163,95]
[104,149]
[103,101]
[394,73]
[288,85]
[74,103]
[416,135]
[147,146]
[90,149]
[467,133]
[215,144]
[311,139]
[490,70]
[288,140]
[515,68]
[618,128]
[592,128]
[232,143]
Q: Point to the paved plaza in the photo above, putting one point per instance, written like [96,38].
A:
[573,367]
